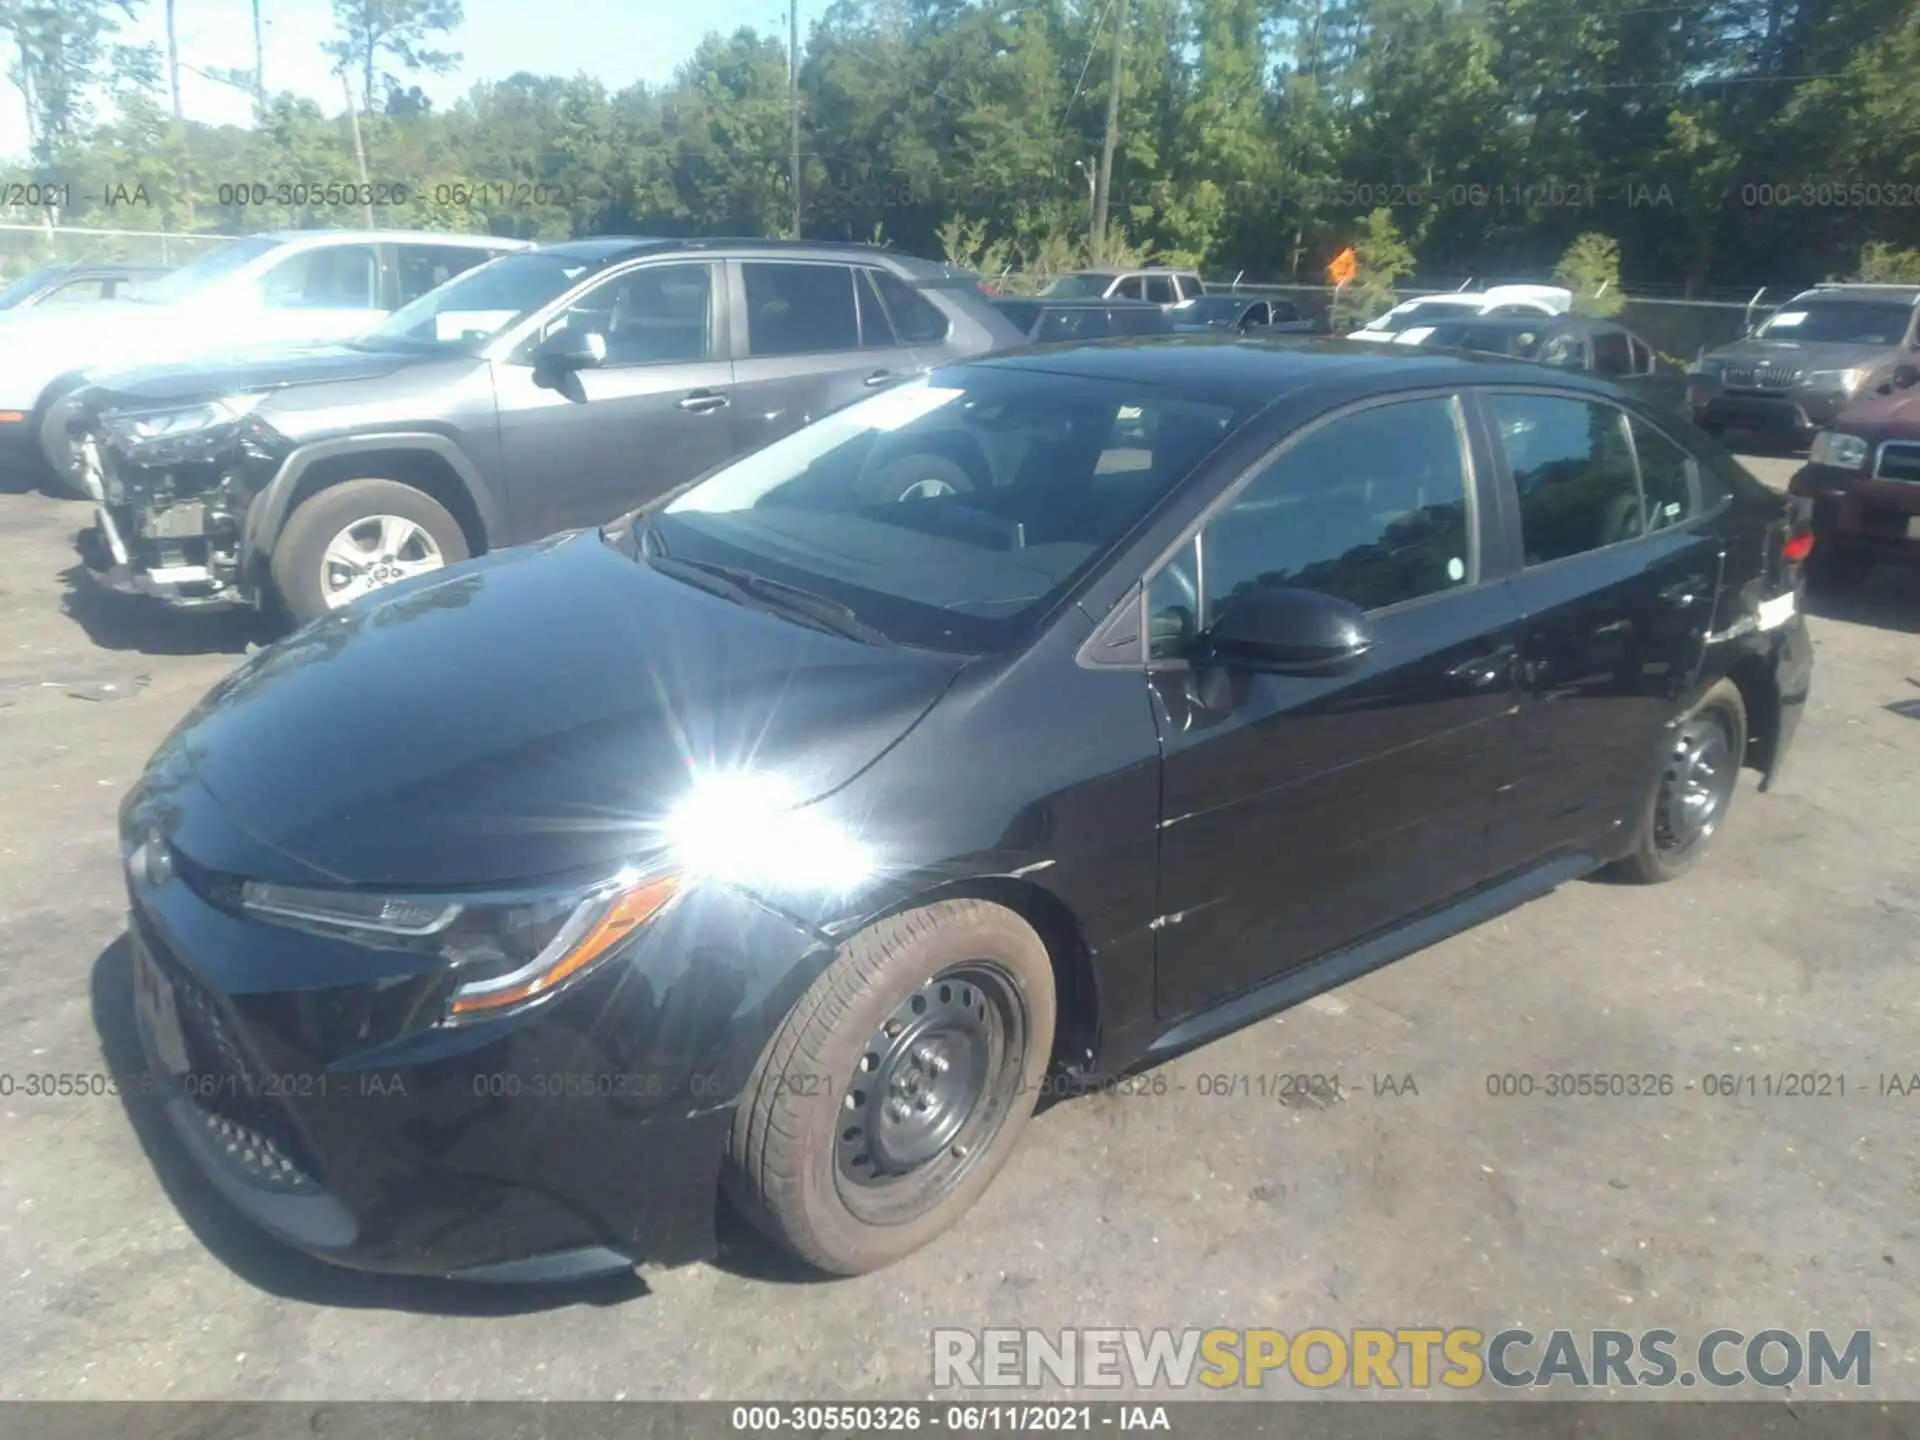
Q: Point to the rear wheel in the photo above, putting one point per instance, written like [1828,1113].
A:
[357,537]
[916,477]
[1690,795]
[897,1087]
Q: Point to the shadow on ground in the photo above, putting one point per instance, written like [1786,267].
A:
[131,622]
[1888,599]
[256,1257]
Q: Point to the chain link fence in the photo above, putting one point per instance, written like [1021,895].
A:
[25,246]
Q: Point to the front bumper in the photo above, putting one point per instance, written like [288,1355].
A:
[1857,512]
[110,561]
[577,1140]
[1800,412]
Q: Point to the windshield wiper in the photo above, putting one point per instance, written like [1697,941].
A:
[747,588]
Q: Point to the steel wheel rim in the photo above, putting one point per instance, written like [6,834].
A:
[929,489]
[930,1092]
[1696,786]
[372,552]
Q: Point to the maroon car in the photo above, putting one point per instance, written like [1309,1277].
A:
[1863,481]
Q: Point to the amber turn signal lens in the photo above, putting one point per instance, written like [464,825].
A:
[627,913]
[13,417]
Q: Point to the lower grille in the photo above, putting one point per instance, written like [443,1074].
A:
[1898,461]
[231,1099]
[1760,377]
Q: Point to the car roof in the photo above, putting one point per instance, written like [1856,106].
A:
[607,249]
[390,237]
[1252,372]
[1528,322]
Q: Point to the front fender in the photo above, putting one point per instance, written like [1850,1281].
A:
[268,512]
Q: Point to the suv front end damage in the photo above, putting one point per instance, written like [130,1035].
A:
[171,490]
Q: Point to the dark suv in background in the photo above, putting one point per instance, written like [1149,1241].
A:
[546,391]
[1807,361]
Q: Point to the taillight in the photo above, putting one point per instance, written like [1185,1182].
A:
[1798,547]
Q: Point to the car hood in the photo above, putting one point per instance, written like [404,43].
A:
[1801,354]
[1877,417]
[529,714]
[266,367]
[40,343]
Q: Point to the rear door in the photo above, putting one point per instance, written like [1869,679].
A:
[1616,570]
[580,448]
[809,337]
[1302,813]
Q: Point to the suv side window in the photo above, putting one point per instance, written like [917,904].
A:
[428,267]
[1284,311]
[1643,362]
[1573,467]
[916,319]
[876,330]
[1371,506]
[1611,353]
[1160,290]
[329,277]
[1669,480]
[79,292]
[1131,288]
[650,315]
[799,309]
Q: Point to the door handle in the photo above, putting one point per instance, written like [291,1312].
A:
[1483,672]
[880,377]
[700,402]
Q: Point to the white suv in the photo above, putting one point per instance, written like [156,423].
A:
[293,287]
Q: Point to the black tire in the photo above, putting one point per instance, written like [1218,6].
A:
[52,455]
[298,553]
[1712,736]
[1834,567]
[808,1118]
[909,475]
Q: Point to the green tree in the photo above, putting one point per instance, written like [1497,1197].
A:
[1381,259]
[373,34]
[1590,268]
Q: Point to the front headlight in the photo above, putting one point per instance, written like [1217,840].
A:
[1842,452]
[180,435]
[508,952]
[1846,380]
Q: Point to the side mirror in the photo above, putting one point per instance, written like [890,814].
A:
[1288,631]
[574,350]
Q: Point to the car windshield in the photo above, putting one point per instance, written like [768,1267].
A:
[465,313]
[209,269]
[27,284]
[1848,321]
[1078,287]
[953,511]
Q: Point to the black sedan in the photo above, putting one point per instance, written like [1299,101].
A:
[1566,342]
[1061,322]
[1240,314]
[788,841]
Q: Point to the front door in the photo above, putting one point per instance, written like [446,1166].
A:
[585,446]
[1618,567]
[1300,814]
[810,336]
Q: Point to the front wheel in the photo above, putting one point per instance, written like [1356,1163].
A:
[357,537]
[1689,797]
[897,1087]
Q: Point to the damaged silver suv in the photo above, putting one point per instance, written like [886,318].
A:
[549,390]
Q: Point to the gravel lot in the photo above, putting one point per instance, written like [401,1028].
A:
[1793,950]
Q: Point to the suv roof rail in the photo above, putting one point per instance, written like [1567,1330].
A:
[1912,290]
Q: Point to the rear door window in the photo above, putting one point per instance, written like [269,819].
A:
[1573,469]
[795,309]
[1612,355]
[916,319]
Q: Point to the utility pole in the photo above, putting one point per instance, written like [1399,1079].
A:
[793,101]
[259,62]
[1103,186]
[359,149]
[173,63]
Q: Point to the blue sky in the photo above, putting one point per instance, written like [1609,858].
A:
[618,41]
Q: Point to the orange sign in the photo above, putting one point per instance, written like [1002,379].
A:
[1342,267]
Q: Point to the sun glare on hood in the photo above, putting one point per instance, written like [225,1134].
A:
[744,827]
